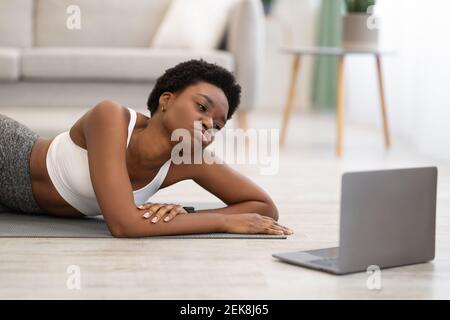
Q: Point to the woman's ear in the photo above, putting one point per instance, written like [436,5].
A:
[165,98]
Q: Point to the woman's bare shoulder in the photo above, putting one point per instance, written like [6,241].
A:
[105,109]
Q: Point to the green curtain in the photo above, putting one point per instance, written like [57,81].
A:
[325,73]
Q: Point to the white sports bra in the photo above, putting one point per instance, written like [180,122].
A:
[68,168]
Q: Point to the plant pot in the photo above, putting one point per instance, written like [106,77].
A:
[358,33]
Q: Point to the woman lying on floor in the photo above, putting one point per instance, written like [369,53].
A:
[113,159]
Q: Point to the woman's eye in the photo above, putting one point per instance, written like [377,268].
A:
[202,107]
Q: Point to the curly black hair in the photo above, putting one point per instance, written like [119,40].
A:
[190,72]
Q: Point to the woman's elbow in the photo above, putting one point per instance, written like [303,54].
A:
[271,210]
[120,230]
[119,227]
[274,213]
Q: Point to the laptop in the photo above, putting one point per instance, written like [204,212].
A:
[387,219]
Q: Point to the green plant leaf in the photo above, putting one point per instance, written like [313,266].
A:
[359,6]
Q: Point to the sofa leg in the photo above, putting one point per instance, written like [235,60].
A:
[242,121]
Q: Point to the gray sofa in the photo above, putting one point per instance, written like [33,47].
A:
[43,63]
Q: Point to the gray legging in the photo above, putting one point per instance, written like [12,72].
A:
[16,141]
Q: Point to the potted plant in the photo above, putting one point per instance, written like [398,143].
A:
[267,4]
[359,25]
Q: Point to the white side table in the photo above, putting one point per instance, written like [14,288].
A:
[298,53]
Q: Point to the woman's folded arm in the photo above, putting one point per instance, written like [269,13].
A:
[263,208]
[133,225]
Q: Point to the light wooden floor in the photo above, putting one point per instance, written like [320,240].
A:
[306,190]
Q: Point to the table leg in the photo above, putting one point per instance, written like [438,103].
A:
[387,139]
[340,105]
[290,99]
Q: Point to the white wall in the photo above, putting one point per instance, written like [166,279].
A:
[293,22]
[417,78]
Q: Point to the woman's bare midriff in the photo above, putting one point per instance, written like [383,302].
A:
[44,192]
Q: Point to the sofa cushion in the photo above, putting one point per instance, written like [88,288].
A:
[16,23]
[109,23]
[9,63]
[129,64]
[193,24]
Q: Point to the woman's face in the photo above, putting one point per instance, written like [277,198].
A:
[201,102]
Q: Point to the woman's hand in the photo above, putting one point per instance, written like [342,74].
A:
[254,223]
[158,210]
